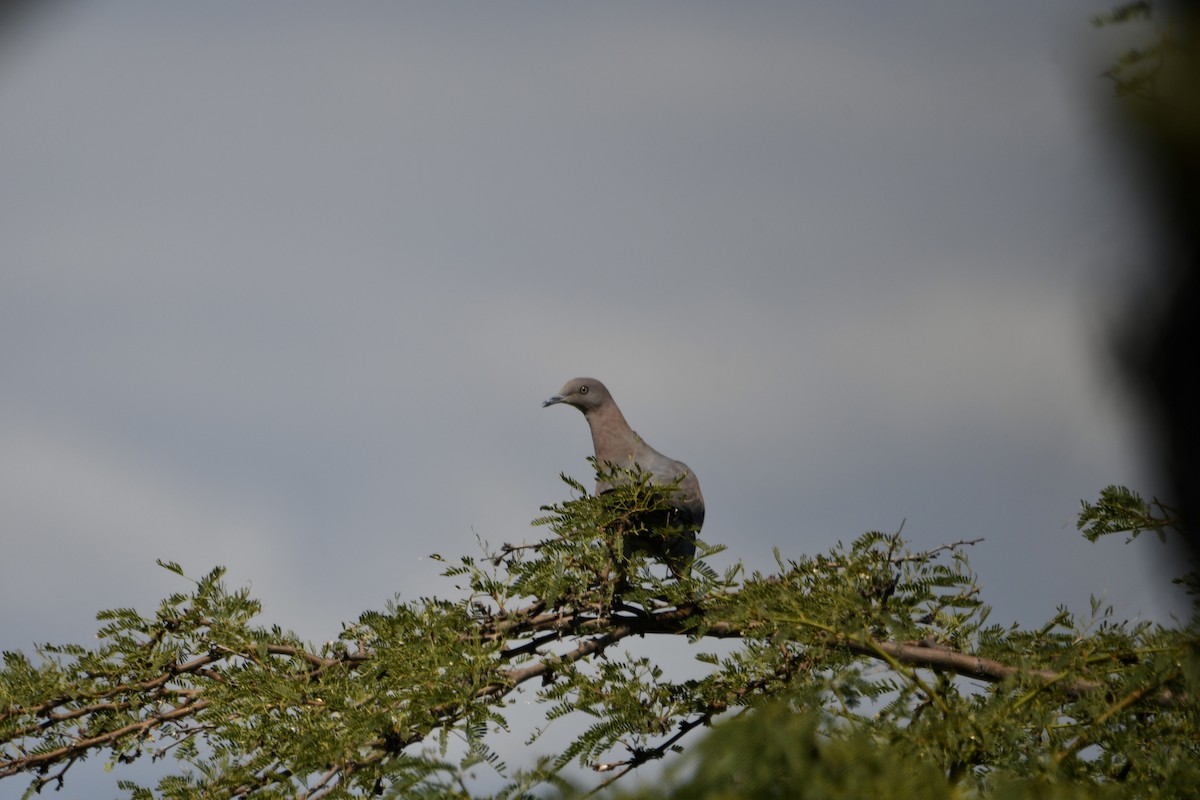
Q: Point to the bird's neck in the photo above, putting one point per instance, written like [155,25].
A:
[612,438]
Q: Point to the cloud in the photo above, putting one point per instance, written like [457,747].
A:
[85,518]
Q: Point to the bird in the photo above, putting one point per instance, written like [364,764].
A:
[618,445]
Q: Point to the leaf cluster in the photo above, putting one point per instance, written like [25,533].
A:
[1155,78]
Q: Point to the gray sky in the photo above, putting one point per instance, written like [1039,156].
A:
[282,286]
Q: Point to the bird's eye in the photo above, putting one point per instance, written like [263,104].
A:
[583,389]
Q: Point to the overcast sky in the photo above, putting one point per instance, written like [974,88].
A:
[283,285]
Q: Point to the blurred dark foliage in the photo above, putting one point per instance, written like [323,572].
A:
[1158,90]
[15,13]
[20,18]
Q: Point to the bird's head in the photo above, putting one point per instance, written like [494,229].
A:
[586,394]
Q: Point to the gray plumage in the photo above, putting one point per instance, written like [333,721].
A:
[617,444]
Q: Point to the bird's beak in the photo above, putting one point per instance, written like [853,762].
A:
[558,398]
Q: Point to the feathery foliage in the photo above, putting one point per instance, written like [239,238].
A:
[864,671]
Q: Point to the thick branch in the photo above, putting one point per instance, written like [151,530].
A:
[80,746]
[688,619]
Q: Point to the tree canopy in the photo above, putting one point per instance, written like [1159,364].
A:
[863,671]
